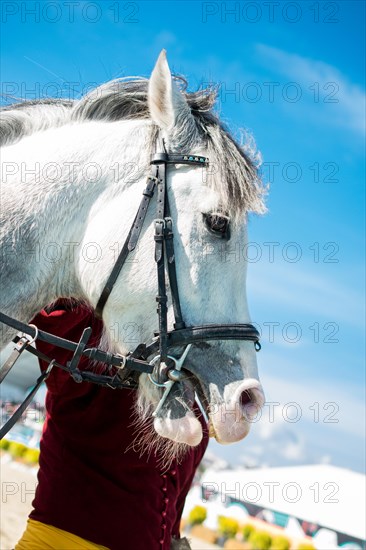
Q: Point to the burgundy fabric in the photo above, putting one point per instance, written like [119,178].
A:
[90,484]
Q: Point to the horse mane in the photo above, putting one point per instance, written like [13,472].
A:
[235,166]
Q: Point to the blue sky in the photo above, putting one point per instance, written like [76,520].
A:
[293,77]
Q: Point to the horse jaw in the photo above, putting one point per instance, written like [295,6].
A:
[186,430]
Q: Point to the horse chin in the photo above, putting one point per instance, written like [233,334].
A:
[177,420]
[187,430]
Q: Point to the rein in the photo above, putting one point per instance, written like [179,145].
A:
[164,369]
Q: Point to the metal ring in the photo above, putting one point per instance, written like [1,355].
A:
[157,384]
[154,360]
[31,339]
[152,380]
[153,363]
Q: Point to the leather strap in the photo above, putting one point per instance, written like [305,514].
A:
[20,410]
[94,354]
[166,158]
[204,333]
[161,297]
[172,271]
[13,358]
[99,379]
[128,246]
[148,193]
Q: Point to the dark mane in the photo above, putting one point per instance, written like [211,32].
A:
[234,169]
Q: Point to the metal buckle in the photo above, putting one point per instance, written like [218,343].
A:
[168,229]
[123,361]
[160,220]
[74,363]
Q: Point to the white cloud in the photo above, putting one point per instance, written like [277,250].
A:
[323,404]
[349,108]
[302,291]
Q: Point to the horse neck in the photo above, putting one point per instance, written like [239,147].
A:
[52,216]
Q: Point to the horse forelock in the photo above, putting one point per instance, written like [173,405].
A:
[234,166]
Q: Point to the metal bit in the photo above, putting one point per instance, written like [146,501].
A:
[178,364]
[201,407]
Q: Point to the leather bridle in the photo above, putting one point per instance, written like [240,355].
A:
[164,369]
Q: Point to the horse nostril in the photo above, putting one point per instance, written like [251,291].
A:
[246,398]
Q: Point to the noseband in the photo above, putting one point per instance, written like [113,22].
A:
[164,369]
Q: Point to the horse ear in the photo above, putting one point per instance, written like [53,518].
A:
[168,107]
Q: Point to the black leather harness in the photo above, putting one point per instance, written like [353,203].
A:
[123,371]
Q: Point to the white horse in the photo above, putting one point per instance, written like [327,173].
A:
[72,177]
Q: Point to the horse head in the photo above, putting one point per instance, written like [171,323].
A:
[208,207]
[91,158]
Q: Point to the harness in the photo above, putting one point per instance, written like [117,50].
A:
[164,369]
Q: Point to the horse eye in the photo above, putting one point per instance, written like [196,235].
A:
[218,224]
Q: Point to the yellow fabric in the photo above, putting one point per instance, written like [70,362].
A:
[39,536]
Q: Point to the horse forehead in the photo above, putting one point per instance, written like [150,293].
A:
[189,193]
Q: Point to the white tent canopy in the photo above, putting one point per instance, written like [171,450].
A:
[331,497]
